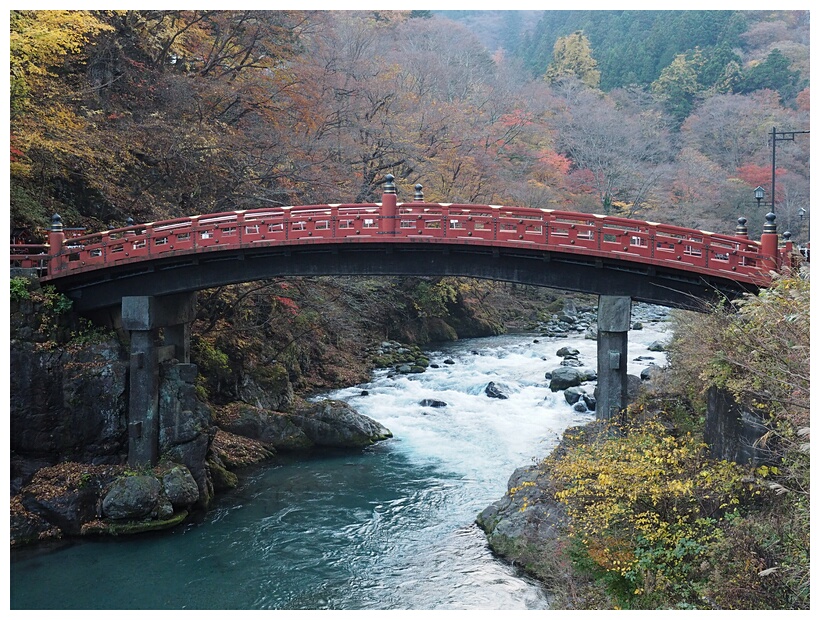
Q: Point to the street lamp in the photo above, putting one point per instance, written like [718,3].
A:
[801,212]
[759,193]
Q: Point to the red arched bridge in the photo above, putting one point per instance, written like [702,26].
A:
[143,278]
[646,261]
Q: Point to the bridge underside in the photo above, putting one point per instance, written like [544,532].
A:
[144,296]
[570,272]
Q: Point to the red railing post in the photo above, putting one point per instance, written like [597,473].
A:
[787,255]
[768,242]
[741,230]
[56,239]
[389,201]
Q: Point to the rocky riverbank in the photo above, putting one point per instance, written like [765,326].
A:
[69,439]
[527,521]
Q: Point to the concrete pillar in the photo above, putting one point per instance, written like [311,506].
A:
[143,402]
[180,337]
[614,319]
[142,317]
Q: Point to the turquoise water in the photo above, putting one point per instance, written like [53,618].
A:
[391,527]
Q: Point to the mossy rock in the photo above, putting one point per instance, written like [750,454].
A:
[383,361]
[222,478]
[273,377]
[115,528]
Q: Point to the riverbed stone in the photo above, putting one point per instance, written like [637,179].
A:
[565,377]
[589,374]
[432,402]
[650,372]
[573,394]
[334,423]
[572,362]
[494,391]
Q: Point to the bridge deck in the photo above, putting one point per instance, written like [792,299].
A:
[540,229]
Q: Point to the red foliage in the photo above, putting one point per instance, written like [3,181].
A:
[756,175]
[804,100]
[555,161]
[581,181]
[288,305]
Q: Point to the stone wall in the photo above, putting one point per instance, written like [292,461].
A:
[732,431]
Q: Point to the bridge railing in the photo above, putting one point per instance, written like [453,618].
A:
[601,236]
[30,256]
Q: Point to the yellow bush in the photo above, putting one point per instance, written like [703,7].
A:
[644,506]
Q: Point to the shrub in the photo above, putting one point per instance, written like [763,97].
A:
[644,507]
[19,289]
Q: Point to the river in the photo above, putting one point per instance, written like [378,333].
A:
[388,528]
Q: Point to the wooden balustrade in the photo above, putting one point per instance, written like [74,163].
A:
[541,229]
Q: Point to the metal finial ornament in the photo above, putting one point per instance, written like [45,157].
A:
[56,223]
[787,236]
[770,226]
[742,229]
[419,195]
[389,186]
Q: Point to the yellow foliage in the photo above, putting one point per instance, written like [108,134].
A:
[39,40]
[645,490]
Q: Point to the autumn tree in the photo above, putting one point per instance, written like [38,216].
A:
[732,143]
[47,128]
[572,57]
[176,112]
[622,152]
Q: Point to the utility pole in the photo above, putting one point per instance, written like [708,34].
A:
[780,135]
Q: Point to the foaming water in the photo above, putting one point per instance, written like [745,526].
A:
[390,527]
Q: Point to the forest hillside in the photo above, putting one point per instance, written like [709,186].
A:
[155,114]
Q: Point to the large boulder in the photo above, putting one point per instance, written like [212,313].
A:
[334,423]
[565,377]
[180,487]
[273,429]
[525,513]
[132,497]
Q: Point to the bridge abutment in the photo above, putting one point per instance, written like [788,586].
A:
[614,319]
[159,328]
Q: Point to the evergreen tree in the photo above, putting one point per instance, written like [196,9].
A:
[774,74]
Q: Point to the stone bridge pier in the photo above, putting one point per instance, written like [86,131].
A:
[160,330]
[614,320]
